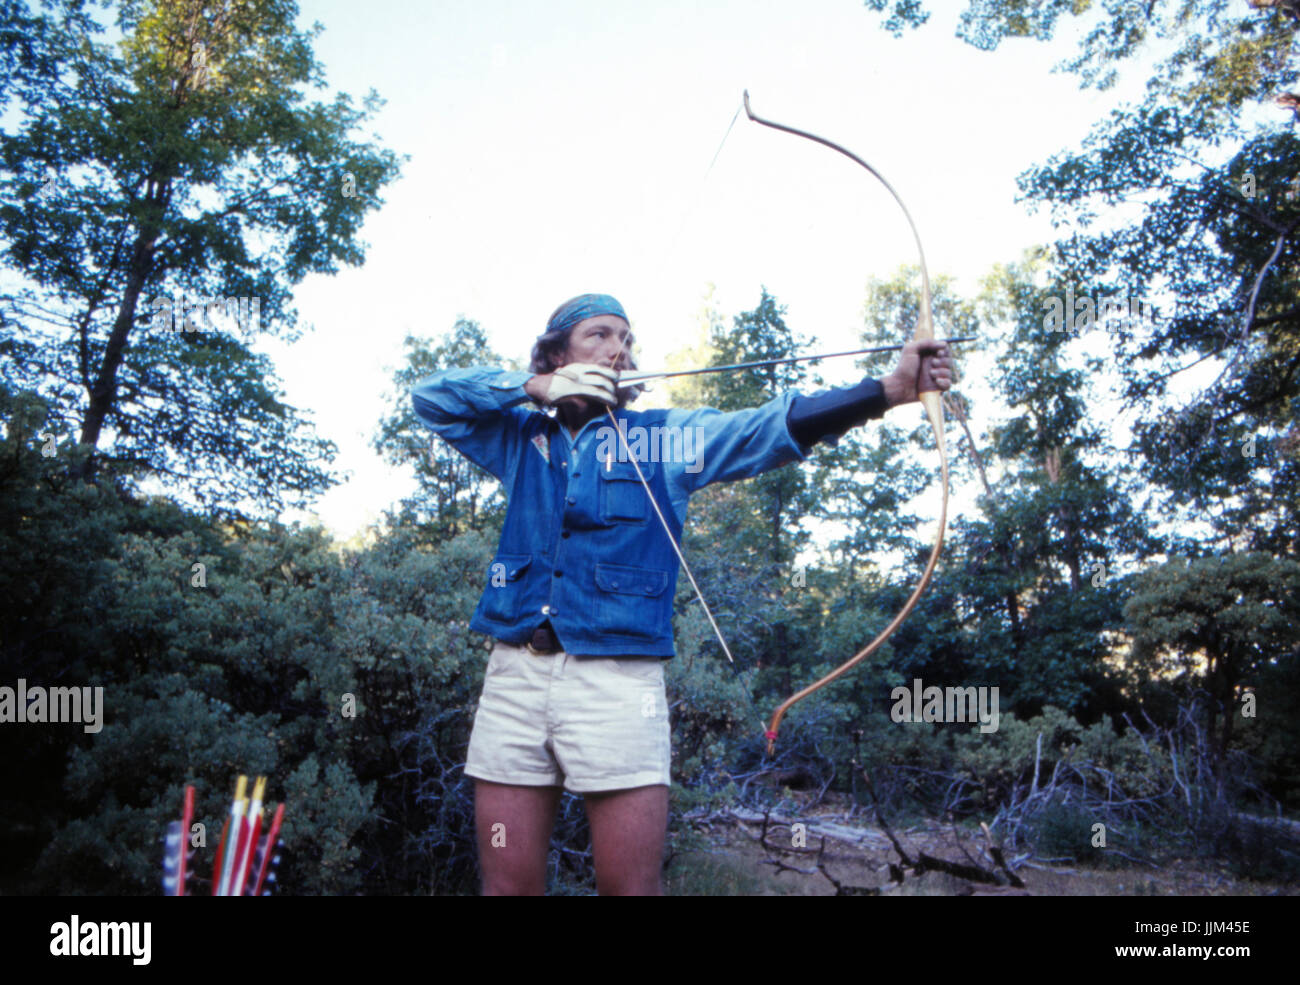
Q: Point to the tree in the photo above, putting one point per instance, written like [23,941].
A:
[780,495]
[758,520]
[454,494]
[1208,260]
[1216,624]
[1045,563]
[1215,248]
[163,195]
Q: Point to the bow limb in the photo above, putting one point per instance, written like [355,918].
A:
[933,409]
[931,402]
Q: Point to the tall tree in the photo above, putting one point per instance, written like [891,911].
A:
[756,335]
[743,536]
[1211,155]
[1046,563]
[164,192]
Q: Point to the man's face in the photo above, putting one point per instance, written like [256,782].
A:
[600,340]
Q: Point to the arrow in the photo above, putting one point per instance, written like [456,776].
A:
[643,377]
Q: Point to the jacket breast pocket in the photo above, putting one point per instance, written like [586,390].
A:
[623,499]
[632,601]
[504,593]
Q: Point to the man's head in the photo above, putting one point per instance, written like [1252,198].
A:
[591,328]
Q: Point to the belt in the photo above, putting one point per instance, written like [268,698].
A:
[544,640]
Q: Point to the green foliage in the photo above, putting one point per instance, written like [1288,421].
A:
[330,808]
[1064,830]
[243,674]
[1216,624]
[249,668]
[762,514]
[179,166]
[1003,760]
[1260,850]
[1213,245]
[903,13]
[453,494]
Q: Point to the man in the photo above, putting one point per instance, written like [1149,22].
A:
[580,593]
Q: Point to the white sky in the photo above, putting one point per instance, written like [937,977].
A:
[559,148]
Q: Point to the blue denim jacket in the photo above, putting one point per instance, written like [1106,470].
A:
[581,545]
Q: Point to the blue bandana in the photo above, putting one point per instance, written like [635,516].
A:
[583,306]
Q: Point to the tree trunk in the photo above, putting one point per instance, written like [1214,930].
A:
[104,392]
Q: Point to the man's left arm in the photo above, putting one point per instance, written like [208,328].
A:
[743,444]
[718,446]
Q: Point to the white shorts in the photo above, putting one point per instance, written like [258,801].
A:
[589,724]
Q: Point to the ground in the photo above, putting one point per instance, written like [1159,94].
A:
[724,857]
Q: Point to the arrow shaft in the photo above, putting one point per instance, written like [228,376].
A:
[625,378]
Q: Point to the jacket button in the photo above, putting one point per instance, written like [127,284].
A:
[570,500]
[559,574]
[564,533]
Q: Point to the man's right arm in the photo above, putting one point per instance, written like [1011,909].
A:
[477,411]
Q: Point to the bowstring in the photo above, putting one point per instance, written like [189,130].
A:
[699,193]
[746,686]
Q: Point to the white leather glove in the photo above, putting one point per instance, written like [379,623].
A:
[588,380]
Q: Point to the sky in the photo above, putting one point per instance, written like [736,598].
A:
[565,147]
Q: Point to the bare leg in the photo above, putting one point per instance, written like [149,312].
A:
[514,831]
[628,828]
